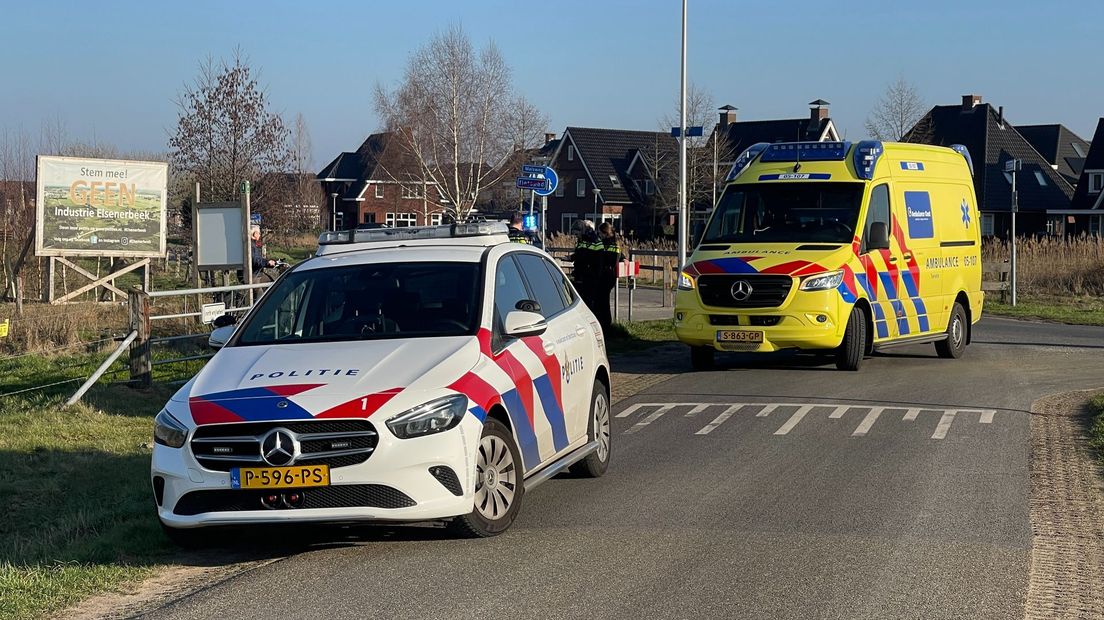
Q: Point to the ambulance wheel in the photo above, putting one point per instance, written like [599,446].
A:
[955,344]
[849,355]
[701,358]
[595,464]
[498,485]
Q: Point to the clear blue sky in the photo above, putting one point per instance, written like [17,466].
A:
[112,69]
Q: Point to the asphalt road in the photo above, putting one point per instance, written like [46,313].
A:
[771,488]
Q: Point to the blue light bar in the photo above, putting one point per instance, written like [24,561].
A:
[965,152]
[806,151]
[866,157]
[744,159]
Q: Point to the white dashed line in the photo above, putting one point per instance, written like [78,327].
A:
[910,415]
[868,421]
[944,424]
[794,419]
[838,413]
[652,417]
[766,411]
[697,409]
[719,420]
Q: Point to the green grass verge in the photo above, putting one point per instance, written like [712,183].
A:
[79,514]
[1070,310]
[639,335]
[1097,430]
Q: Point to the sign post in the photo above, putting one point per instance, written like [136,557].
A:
[540,181]
[1013,166]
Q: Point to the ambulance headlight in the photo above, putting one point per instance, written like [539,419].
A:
[823,281]
[685,282]
[168,431]
[433,417]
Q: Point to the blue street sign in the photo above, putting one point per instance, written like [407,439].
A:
[533,183]
[691,132]
[255,218]
[553,181]
[528,169]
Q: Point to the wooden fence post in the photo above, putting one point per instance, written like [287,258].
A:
[141,363]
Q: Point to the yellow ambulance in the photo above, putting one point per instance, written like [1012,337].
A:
[836,247]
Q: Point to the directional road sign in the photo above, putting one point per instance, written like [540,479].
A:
[534,183]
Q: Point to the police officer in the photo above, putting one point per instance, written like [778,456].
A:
[518,234]
[585,263]
[608,255]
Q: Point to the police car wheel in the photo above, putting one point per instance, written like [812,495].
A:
[849,355]
[498,487]
[595,464]
[955,344]
[701,358]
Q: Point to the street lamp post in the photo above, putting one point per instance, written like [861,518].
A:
[682,151]
[597,193]
[333,210]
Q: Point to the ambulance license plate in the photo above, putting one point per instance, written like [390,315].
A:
[296,476]
[739,336]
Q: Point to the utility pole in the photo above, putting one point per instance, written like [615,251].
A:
[682,151]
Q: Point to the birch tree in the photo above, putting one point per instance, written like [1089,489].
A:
[896,112]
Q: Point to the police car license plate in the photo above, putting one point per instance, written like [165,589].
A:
[739,336]
[280,477]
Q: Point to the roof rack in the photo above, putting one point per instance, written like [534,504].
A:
[472,233]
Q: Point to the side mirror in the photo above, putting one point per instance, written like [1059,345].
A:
[877,238]
[520,323]
[220,336]
[224,320]
[527,305]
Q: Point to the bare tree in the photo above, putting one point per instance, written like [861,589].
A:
[226,132]
[457,115]
[896,113]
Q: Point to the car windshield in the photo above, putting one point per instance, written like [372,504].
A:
[368,302]
[799,212]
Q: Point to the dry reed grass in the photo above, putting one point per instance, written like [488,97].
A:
[1053,266]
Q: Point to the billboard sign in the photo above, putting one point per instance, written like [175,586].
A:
[219,236]
[100,207]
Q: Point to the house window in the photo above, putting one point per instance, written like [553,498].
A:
[1077,148]
[986,224]
[570,152]
[1096,182]
[1041,178]
[649,187]
[566,220]
[1094,225]
[614,181]
[402,220]
[559,190]
[379,190]
[411,191]
[580,188]
[369,218]
[435,219]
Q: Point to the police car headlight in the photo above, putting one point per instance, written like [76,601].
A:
[822,282]
[168,431]
[686,282]
[433,417]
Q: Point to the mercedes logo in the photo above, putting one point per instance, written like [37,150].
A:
[741,290]
[278,447]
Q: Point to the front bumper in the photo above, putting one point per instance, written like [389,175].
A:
[397,469]
[808,320]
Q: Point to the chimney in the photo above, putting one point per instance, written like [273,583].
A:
[970,101]
[728,116]
[549,136]
[819,110]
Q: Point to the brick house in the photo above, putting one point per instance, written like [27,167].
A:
[379,185]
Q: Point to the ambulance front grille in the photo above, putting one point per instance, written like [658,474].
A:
[766,291]
[337,443]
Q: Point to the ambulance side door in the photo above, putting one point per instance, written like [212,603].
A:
[919,215]
[876,262]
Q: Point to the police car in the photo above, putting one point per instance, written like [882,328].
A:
[407,374]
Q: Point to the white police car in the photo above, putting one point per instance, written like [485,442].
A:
[430,373]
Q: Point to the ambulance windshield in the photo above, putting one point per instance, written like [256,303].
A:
[800,212]
[368,302]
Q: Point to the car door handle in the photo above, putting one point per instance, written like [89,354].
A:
[893,259]
[549,348]
[580,330]
[908,256]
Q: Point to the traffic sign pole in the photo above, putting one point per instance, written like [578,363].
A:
[1013,166]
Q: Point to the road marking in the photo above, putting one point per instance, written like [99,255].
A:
[719,420]
[631,410]
[944,424]
[696,410]
[794,419]
[986,415]
[766,411]
[910,415]
[838,413]
[634,408]
[652,417]
[868,421]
